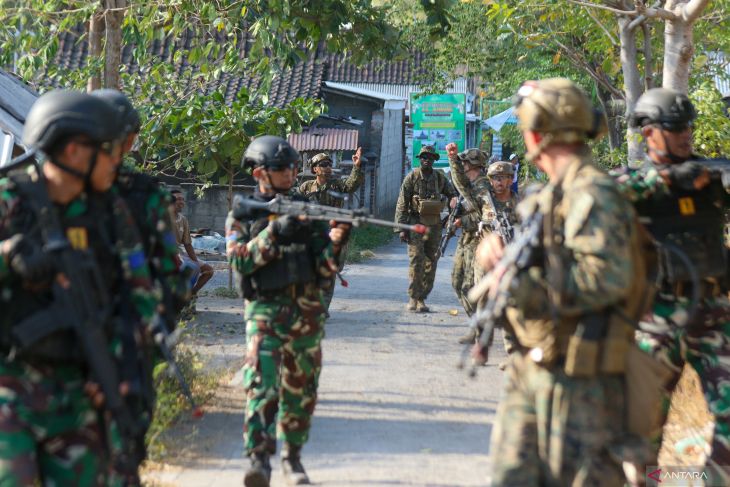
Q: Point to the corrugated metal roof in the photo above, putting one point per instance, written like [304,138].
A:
[322,139]
[722,81]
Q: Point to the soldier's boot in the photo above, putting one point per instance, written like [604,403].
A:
[411,306]
[291,465]
[259,473]
[421,306]
[470,337]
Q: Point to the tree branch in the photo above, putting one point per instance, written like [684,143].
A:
[590,13]
[604,7]
[692,10]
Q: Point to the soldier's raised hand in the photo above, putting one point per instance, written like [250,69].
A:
[452,149]
[357,157]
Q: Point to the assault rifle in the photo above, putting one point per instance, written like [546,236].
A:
[450,226]
[518,255]
[501,224]
[244,207]
[81,304]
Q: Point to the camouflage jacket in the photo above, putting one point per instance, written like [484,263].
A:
[417,186]
[101,222]
[250,253]
[474,196]
[313,191]
[593,228]
[151,205]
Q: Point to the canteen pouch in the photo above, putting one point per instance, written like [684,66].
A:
[584,346]
[429,211]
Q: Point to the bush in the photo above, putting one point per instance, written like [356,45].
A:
[366,238]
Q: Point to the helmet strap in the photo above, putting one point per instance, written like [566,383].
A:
[270,186]
[544,142]
[673,158]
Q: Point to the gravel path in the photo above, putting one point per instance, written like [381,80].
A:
[393,409]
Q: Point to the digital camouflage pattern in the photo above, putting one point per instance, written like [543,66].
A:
[462,275]
[553,429]
[422,249]
[320,192]
[704,343]
[474,193]
[49,431]
[283,335]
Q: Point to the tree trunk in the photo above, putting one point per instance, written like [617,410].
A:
[633,82]
[678,42]
[613,109]
[113,58]
[96,27]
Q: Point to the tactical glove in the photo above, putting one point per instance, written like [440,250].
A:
[683,176]
[29,261]
[405,236]
[285,227]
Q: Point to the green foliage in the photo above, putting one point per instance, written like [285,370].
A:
[171,403]
[712,127]
[366,238]
[224,292]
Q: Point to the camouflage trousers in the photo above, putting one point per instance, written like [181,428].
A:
[329,292]
[705,345]
[422,250]
[281,370]
[462,276]
[555,430]
[49,432]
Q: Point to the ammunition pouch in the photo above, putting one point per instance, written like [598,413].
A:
[429,211]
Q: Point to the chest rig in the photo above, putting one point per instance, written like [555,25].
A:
[691,222]
[293,266]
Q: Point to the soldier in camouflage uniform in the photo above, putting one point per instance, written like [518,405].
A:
[420,201]
[462,275]
[52,424]
[318,190]
[282,264]
[474,193]
[684,206]
[563,405]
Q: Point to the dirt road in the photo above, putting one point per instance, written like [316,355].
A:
[393,409]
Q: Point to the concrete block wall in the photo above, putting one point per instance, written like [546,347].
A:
[211,210]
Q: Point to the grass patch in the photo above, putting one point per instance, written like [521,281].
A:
[364,239]
[171,403]
[224,292]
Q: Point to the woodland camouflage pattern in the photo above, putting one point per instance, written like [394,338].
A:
[554,429]
[704,343]
[50,432]
[283,335]
[422,249]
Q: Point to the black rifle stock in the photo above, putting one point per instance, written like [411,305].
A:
[450,226]
[243,207]
[517,256]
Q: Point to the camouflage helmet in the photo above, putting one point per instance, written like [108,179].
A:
[560,108]
[475,157]
[322,156]
[270,151]
[501,168]
[429,151]
[663,106]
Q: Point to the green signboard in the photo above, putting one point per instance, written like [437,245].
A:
[438,120]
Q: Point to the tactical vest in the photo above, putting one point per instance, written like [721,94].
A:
[294,265]
[20,303]
[136,188]
[691,222]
